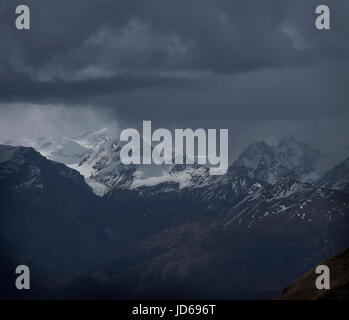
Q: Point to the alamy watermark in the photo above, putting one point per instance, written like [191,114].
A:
[322,21]
[181,150]
[323,280]
[23,280]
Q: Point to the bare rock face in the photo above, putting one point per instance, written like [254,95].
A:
[304,288]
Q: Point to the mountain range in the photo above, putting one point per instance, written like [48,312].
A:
[93,227]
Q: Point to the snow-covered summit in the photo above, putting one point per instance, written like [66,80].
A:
[289,158]
[96,155]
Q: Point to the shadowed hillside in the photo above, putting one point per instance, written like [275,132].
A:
[304,288]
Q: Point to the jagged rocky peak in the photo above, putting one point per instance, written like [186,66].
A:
[91,139]
[103,169]
[287,186]
[336,178]
[294,148]
[289,157]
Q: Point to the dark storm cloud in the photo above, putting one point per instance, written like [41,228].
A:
[199,62]
[54,91]
[92,40]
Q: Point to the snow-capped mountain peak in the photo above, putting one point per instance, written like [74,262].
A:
[90,139]
[96,155]
[271,163]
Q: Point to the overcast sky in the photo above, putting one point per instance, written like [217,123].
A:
[259,68]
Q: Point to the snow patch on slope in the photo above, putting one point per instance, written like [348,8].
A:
[184,179]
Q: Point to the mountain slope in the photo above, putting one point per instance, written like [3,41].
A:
[46,211]
[51,220]
[249,250]
[304,288]
[336,178]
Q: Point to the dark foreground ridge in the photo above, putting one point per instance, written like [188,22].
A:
[304,287]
